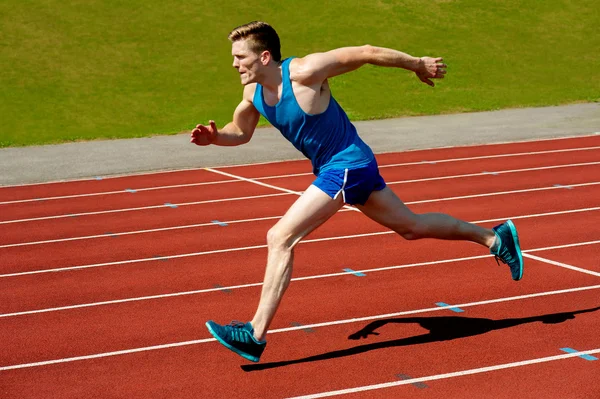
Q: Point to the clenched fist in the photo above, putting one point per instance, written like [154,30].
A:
[204,135]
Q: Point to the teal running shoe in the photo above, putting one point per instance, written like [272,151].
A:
[239,338]
[508,250]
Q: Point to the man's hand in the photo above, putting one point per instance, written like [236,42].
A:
[431,68]
[204,135]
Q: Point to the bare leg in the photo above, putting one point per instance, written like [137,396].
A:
[311,210]
[387,209]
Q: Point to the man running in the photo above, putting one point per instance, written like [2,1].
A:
[294,96]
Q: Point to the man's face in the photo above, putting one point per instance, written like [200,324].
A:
[245,61]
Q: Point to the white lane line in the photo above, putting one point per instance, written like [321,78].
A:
[125,233]
[526,190]
[489,157]
[141,208]
[435,161]
[217,251]
[555,263]
[446,375]
[324,324]
[105,354]
[250,285]
[264,246]
[233,287]
[124,191]
[267,185]
[279,189]
[279,217]
[495,171]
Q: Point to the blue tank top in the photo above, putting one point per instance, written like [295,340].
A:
[328,139]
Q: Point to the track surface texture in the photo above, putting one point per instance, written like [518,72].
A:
[107,282]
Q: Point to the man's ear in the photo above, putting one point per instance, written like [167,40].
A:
[265,57]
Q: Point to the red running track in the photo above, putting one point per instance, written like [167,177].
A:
[112,302]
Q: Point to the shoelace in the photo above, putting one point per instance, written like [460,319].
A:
[499,259]
[237,324]
[504,257]
[238,332]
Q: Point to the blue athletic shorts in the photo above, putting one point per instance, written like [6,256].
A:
[355,185]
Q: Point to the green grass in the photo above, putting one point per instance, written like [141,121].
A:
[92,69]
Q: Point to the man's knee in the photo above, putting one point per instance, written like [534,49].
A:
[413,230]
[278,239]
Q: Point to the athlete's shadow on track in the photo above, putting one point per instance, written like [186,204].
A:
[442,328]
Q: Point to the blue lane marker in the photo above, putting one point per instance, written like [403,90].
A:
[419,385]
[219,223]
[170,205]
[561,186]
[130,190]
[108,233]
[490,173]
[98,178]
[586,357]
[225,290]
[306,329]
[358,274]
[452,308]
[161,258]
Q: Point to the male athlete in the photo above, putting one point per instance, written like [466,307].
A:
[294,96]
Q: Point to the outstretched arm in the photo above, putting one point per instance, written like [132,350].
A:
[239,131]
[317,67]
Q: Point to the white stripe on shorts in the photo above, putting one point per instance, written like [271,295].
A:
[343,186]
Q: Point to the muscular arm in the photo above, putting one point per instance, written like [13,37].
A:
[237,132]
[317,67]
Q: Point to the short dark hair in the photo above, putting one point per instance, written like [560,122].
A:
[260,35]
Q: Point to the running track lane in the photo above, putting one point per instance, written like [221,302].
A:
[114,249]
[266,206]
[190,275]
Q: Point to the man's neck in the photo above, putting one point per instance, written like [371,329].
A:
[272,77]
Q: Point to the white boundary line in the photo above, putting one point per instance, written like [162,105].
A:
[517,154]
[141,208]
[125,233]
[264,245]
[446,375]
[324,324]
[560,264]
[499,172]
[285,190]
[267,185]
[118,175]
[500,143]
[126,191]
[250,285]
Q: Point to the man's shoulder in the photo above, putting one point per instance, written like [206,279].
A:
[297,68]
[249,91]
[302,71]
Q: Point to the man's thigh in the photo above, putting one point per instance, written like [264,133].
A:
[312,209]
[387,209]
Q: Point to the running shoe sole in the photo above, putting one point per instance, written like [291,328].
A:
[513,231]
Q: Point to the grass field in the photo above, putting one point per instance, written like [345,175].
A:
[92,69]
